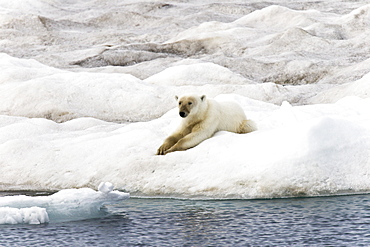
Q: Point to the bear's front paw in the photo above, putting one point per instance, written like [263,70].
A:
[162,149]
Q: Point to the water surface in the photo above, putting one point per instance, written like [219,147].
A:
[321,221]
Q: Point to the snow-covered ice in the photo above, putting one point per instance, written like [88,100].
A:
[87,95]
[65,205]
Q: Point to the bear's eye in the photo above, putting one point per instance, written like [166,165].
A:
[180,103]
[190,103]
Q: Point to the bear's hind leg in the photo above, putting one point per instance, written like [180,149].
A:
[247,126]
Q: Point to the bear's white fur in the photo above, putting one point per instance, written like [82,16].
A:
[202,118]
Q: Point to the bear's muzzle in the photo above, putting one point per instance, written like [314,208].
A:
[183,114]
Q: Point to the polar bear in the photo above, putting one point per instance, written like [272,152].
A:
[202,118]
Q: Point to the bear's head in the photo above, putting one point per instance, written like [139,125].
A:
[189,105]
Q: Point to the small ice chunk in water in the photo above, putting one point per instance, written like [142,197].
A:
[105,187]
[32,215]
[65,205]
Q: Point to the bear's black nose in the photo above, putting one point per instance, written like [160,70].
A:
[182,114]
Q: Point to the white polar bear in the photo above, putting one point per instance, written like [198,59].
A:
[201,119]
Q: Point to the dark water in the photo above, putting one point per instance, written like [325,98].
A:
[325,221]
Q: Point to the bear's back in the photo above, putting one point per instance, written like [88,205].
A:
[230,116]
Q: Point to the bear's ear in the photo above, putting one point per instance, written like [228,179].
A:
[176,97]
[203,97]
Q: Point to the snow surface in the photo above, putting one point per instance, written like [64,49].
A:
[87,95]
[65,205]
